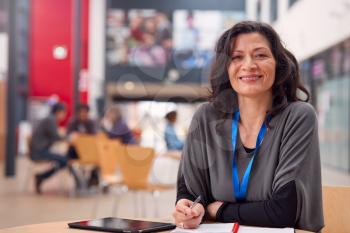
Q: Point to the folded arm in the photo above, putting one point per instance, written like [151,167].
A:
[279,211]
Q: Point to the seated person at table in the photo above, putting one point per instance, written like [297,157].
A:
[81,124]
[252,152]
[115,127]
[43,137]
[171,139]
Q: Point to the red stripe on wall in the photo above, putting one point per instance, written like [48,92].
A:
[84,33]
[83,90]
[51,25]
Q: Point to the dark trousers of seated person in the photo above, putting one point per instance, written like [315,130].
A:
[72,153]
[59,162]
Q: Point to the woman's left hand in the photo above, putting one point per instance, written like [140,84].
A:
[213,209]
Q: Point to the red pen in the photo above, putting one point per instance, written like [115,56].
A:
[235,227]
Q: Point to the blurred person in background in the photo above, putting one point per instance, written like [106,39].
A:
[136,33]
[81,124]
[115,126]
[44,136]
[171,139]
[164,30]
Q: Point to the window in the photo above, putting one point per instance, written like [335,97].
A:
[258,11]
[273,10]
[291,2]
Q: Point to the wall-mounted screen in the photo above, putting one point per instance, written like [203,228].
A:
[138,37]
[158,42]
[151,38]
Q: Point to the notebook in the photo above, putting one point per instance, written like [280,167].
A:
[227,228]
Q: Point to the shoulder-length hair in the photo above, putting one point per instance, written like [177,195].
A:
[287,77]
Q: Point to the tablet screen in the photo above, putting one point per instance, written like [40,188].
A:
[121,225]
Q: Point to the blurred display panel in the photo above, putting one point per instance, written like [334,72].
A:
[2,119]
[328,77]
[163,44]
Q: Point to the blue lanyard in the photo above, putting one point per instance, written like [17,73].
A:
[240,190]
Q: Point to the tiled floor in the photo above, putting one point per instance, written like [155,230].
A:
[19,205]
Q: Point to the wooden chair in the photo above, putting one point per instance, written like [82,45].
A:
[87,150]
[336,209]
[102,136]
[108,153]
[135,165]
[86,147]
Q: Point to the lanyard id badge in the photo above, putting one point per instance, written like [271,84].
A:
[240,189]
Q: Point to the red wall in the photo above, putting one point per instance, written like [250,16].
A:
[51,24]
[83,90]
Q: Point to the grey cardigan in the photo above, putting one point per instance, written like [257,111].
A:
[289,151]
[44,136]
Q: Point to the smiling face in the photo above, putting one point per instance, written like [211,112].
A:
[252,68]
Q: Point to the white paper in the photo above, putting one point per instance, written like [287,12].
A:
[210,228]
[227,228]
[245,229]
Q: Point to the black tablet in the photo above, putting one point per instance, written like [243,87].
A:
[121,225]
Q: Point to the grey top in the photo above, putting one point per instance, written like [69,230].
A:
[44,136]
[289,151]
[242,158]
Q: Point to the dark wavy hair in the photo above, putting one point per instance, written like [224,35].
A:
[57,107]
[287,78]
[82,107]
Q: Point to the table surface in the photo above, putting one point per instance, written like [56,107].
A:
[60,227]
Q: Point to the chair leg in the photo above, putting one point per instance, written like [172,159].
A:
[83,183]
[62,183]
[156,195]
[117,198]
[136,204]
[100,192]
[27,178]
[97,203]
[143,204]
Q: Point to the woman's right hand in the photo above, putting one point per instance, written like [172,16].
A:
[185,217]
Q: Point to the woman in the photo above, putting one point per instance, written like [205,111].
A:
[252,153]
[115,126]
